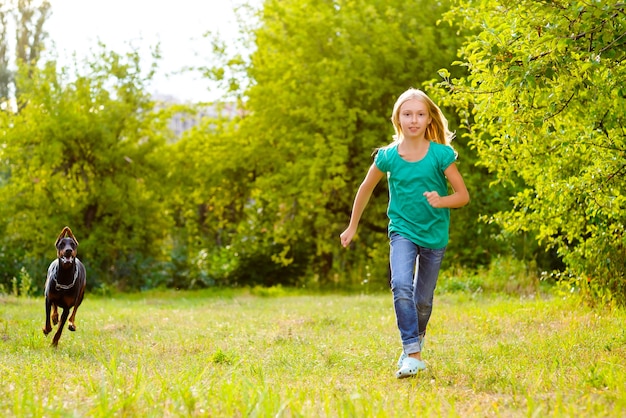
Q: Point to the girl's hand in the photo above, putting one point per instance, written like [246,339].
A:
[346,236]
[433,199]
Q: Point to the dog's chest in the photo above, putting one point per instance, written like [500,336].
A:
[62,280]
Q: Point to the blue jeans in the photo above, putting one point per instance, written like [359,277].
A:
[414,272]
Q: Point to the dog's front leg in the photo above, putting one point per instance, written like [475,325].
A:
[55,314]
[71,325]
[48,327]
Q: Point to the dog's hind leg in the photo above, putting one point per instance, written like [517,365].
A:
[57,335]
[47,327]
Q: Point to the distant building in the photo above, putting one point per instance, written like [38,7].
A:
[182,122]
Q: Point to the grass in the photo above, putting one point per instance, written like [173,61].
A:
[288,354]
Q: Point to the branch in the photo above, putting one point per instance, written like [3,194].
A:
[619,170]
[619,7]
[562,108]
[611,44]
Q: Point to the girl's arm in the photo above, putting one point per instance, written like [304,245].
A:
[459,198]
[360,202]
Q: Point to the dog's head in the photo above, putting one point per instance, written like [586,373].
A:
[66,247]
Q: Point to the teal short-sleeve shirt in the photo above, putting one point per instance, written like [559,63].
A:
[410,214]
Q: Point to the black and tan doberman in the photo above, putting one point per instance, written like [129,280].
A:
[65,285]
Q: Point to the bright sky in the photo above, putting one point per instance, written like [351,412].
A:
[78,25]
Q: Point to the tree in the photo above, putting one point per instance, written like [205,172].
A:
[5,73]
[30,38]
[208,187]
[545,104]
[84,151]
[323,78]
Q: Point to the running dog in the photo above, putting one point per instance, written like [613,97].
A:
[65,285]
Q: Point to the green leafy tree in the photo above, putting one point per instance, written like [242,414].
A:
[545,102]
[84,151]
[323,79]
[209,183]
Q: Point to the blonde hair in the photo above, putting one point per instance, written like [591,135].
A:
[436,131]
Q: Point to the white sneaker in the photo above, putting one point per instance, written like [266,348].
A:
[410,367]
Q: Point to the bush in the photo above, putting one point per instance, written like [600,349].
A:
[503,275]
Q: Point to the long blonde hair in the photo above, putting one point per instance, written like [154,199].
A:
[436,131]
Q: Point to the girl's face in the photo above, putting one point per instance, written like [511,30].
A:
[414,119]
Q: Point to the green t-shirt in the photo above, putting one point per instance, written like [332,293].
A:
[410,214]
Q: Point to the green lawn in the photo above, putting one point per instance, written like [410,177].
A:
[279,353]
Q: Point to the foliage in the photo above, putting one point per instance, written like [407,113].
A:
[288,353]
[255,199]
[504,274]
[544,103]
[207,175]
[324,77]
[83,152]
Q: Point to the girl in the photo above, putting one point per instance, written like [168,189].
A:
[416,164]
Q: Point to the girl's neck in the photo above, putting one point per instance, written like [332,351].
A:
[413,149]
[418,141]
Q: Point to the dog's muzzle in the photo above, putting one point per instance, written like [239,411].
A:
[66,260]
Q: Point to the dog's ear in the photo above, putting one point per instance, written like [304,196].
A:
[61,236]
[71,235]
[65,233]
